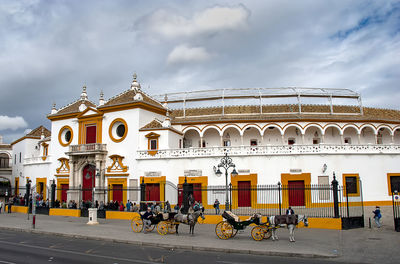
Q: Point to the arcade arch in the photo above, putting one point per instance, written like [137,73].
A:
[211,137]
[333,135]
[272,136]
[351,135]
[191,138]
[231,137]
[313,135]
[367,135]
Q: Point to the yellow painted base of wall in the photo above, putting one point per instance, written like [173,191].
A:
[17,209]
[120,215]
[323,223]
[65,212]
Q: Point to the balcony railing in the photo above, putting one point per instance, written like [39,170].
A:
[86,148]
[269,150]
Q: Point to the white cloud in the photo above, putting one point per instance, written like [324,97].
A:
[184,53]
[210,20]
[12,123]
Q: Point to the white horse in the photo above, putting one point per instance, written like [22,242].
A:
[290,221]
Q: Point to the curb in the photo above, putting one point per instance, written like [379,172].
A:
[172,247]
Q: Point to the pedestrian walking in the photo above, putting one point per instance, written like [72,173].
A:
[216,206]
[377,216]
[1,206]
[10,203]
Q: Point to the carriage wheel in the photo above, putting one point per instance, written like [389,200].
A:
[137,224]
[151,228]
[171,228]
[267,233]
[257,233]
[162,228]
[224,230]
[234,232]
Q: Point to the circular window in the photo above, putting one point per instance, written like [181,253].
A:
[118,130]
[65,136]
[121,130]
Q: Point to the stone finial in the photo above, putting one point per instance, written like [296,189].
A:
[82,107]
[53,109]
[101,100]
[84,93]
[42,133]
[138,97]
[167,121]
[135,84]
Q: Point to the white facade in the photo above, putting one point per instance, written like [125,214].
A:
[156,148]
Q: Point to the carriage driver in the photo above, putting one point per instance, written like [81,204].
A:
[147,219]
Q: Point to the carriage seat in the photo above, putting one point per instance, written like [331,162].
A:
[230,215]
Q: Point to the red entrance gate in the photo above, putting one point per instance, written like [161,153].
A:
[244,194]
[296,193]
[194,189]
[64,189]
[88,182]
[117,192]
[152,192]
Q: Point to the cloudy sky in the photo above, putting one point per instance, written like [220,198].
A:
[50,49]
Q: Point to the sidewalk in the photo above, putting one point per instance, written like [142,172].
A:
[358,245]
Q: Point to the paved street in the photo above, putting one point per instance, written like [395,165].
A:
[22,247]
[114,238]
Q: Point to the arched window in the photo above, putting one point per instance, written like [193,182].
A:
[4,161]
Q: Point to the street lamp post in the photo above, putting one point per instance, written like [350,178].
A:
[226,163]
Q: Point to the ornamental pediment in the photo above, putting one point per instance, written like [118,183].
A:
[89,112]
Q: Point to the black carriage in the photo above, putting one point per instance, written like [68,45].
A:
[163,221]
[232,224]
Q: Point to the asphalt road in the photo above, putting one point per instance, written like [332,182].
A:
[23,247]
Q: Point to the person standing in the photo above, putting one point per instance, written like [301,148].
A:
[128,206]
[10,203]
[377,216]
[216,206]
[1,206]
[289,211]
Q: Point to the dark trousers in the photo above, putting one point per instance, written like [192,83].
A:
[9,208]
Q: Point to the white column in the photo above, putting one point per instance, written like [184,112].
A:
[283,139]
[71,174]
[241,138]
[201,142]
[392,138]
[222,141]
[302,139]
[262,140]
[359,139]
[322,138]
[342,139]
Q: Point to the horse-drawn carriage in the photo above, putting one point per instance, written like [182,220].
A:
[164,222]
[232,224]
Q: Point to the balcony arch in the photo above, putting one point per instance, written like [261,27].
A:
[396,135]
[252,135]
[368,134]
[231,136]
[333,134]
[335,126]
[272,134]
[232,126]
[313,134]
[384,135]
[210,136]
[191,137]
[293,134]
[351,134]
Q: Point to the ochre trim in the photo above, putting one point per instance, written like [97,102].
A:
[59,136]
[203,180]
[64,167]
[253,192]
[116,174]
[389,182]
[62,117]
[45,151]
[44,181]
[25,137]
[286,177]
[358,184]
[152,136]
[83,122]
[65,212]
[123,181]
[111,126]
[117,165]
[142,105]
[160,180]
[59,190]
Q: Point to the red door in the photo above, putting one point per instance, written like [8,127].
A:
[296,193]
[152,192]
[197,192]
[117,192]
[90,134]
[64,189]
[244,194]
[88,182]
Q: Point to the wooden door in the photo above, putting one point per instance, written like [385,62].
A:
[88,182]
[296,193]
[244,194]
[64,189]
[90,134]
[197,192]
[152,192]
[117,193]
